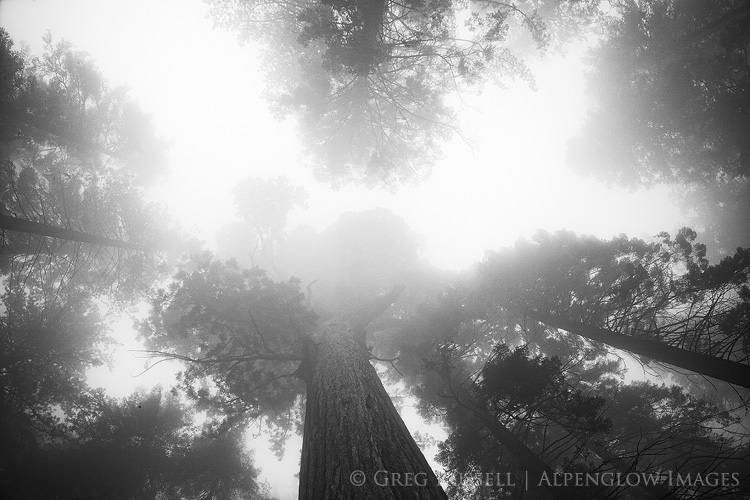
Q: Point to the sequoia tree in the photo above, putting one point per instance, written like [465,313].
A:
[267,354]
[370,80]
[75,158]
[671,94]
[509,411]
[661,300]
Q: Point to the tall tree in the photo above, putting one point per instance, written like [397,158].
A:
[260,347]
[662,295]
[455,357]
[540,415]
[671,88]
[258,239]
[75,156]
[658,428]
[504,414]
[370,79]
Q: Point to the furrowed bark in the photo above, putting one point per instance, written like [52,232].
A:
[351,426]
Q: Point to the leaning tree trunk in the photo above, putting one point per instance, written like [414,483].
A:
[657,491]
[703,364]
[10,223]
[355,444]
[539,474]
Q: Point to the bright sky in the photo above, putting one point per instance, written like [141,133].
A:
[203,91]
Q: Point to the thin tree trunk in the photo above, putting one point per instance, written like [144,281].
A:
[353,433]
[711,366]
[713,26]
[539,475]
[40,126]
[657,491]
[537,468]
[26,226]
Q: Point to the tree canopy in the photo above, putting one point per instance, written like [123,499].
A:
[672,105]
[371,81]
[78,239]
[75,156]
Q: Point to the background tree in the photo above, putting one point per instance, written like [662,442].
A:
[359,256]
[253,347]
[443,352]
[662,293]
[571,413]
[369,80]
[672,94]
[141,447]
[519,412]
[263,206]
[75,157]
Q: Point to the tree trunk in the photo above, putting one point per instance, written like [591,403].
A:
[711,366]
[25,120]
[539,474]
[355,445]
[26,226]
[656,491]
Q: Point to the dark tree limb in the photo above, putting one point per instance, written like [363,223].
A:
[9,223]
[703,364]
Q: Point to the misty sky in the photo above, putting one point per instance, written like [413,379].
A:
[204,92]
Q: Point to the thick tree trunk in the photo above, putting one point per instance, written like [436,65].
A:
[355,444]
[26,226]
[373,13]
[722,369]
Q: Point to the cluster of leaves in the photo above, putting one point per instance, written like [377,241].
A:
[530,396]
[520,385]
[84,444]
[672,93]
[49,340]
[562,407]
[259,238]
[74,154]
[569,422]
[664,289]
[243,334]
[370,79]
[141,447]
[63,100]
[664,428]
[671,81]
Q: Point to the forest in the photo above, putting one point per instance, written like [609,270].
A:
[565,366]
